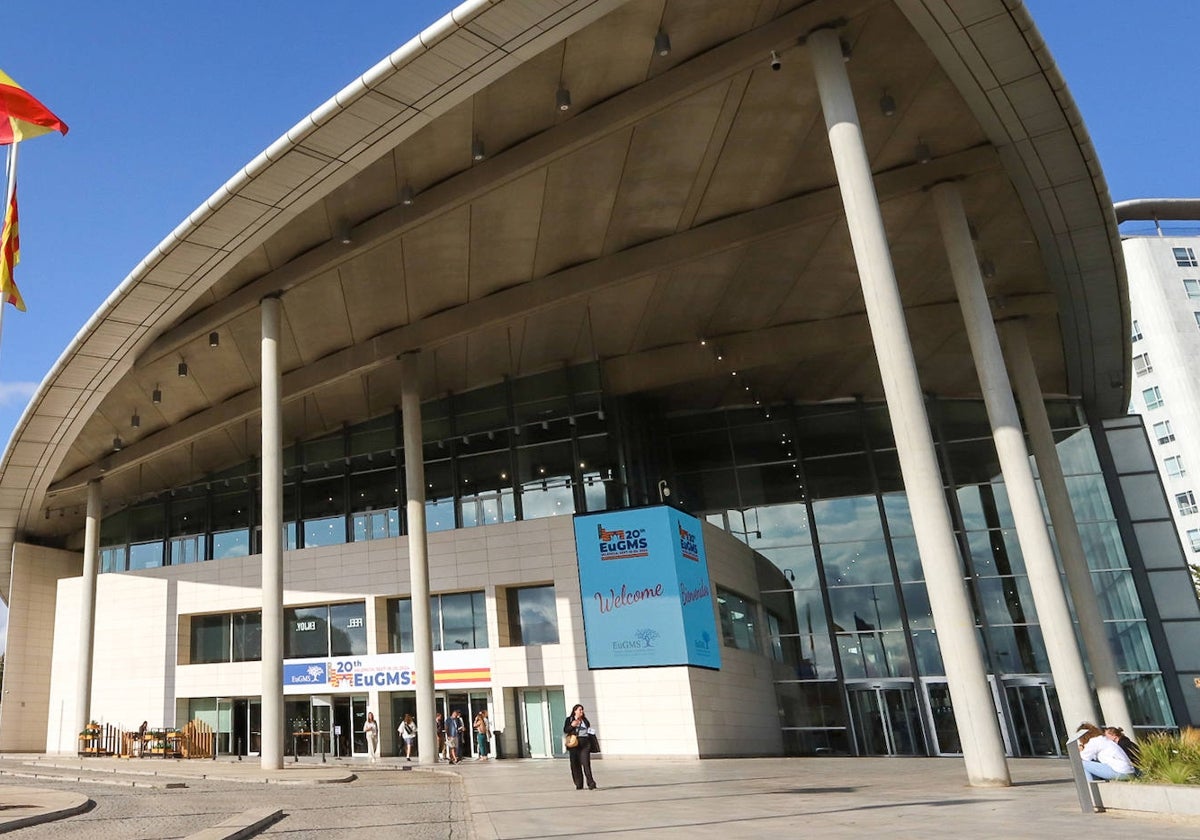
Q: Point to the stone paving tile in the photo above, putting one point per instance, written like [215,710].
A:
[527,800]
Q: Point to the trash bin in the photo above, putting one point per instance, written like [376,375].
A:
[496,736]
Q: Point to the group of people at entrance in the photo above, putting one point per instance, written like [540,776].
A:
[1108,753]
[450,734]
[579,740]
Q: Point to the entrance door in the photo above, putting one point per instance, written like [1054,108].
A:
[886,719]
[1037,725]
[542,709]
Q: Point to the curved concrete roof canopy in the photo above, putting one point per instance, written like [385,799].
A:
[682,196]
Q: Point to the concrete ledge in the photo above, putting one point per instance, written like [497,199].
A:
[1134,796]
[21,807]
[246,824]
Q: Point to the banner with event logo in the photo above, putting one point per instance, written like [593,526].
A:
[384,672]
[647,598]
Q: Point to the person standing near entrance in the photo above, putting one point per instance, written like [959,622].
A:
[408,733]
[483,731]
[454,730]
[578,732]
[371,730]
[440,724]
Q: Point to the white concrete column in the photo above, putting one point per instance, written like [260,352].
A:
[87,607]
[1066,529]
[1054,616]
[418,554]
[272,541]
[974,711]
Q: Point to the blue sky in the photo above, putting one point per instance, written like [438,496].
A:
[166,101]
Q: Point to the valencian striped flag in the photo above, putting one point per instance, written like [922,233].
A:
[21,117]
[10,255]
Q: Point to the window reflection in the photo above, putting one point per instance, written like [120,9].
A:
[532,616]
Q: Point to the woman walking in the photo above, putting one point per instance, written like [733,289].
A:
[578,732]
[408,733]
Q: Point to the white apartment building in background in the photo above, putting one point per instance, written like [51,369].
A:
[1163,264]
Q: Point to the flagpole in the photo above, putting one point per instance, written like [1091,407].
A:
[10,175]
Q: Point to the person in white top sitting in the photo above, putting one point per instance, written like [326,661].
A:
[1103,760]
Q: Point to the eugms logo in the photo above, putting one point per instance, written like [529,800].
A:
[687,545]
[622,544]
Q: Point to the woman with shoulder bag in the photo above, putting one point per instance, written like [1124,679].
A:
[577,738]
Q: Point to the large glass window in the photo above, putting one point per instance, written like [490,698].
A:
[347,629]
[322,508]
[1184,257]
[374,504]
[1141,364]
[739,620]
[1185,503]
[1153,398]
[306,632]
[1163,432]
[247,636]
[532,616]
[458,621]
[210,638]
[231,522]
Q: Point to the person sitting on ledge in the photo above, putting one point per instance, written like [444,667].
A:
[1103,760]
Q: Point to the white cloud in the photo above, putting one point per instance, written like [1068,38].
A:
[16,393]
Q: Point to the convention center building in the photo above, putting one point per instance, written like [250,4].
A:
[754,374]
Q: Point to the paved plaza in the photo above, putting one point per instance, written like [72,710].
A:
[826,797]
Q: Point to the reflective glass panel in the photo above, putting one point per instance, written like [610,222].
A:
[1130,641]
[1019,649]
[347,629]
[856,562]
[210,638]
[1117,595]
[533,616]
[848,519]
[306,632]
[464,621]
[247,636]
[866,608]
[739,620]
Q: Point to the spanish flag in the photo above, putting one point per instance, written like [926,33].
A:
[22,116]
[10,255]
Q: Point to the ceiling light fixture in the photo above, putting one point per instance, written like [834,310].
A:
[135,422]
[156,396]
[477,152]
[344,233]
[987,268]
[214,339]
[923,153]
[118,444]
[887,105]
[662,43]
[562,99]
[183,369]
[406,195]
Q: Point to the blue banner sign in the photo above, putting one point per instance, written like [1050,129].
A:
[647,598]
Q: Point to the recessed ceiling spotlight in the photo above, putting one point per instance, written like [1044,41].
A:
[662,43]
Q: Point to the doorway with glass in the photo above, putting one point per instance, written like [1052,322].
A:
[542,712]
[886,718]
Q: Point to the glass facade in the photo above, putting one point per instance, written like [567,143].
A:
[817,491]
[527,449]
[842,608]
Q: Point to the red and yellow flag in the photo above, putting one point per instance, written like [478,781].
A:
[22,116]
[10,255]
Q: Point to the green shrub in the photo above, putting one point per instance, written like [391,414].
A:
[1170,759]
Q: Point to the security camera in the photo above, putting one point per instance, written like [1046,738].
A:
[775,62]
